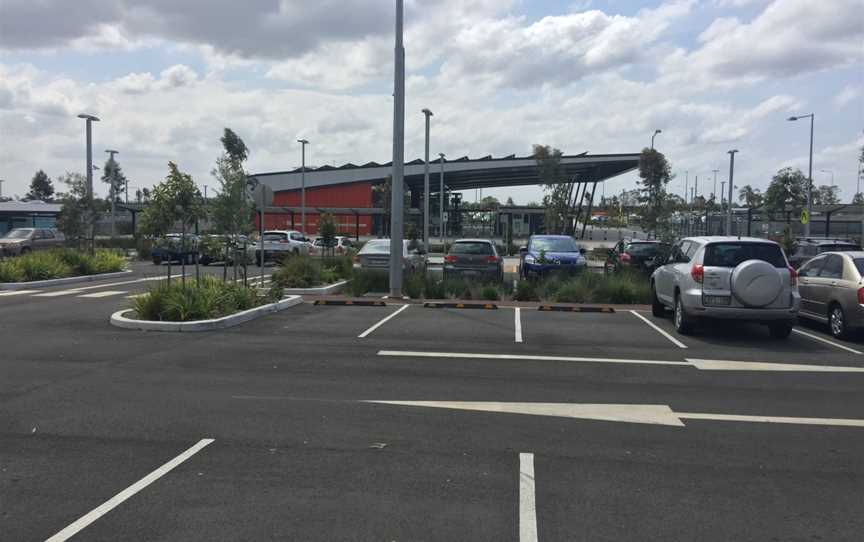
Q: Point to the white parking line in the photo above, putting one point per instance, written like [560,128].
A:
[125,282]
[382,322]
[518,324]
[525,357]
[58,293]
[672,339]
[527,501]
[121,497]
[108,293]
[17,292]
[826,341]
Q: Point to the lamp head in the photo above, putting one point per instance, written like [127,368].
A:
[303,141]
[733,151]
[85,116]
[658,132]
[427,113]
[792,119]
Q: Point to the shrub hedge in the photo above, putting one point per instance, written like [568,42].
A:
[58,264]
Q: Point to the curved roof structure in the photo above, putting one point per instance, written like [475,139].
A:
[460,174]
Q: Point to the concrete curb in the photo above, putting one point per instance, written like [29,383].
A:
[118,320]
[61,282]
[459,305]
[565,308]
[351,303]
[330,289]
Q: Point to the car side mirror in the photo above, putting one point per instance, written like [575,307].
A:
[582,251]
[523,250]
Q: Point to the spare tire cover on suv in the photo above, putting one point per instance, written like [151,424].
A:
[756,283]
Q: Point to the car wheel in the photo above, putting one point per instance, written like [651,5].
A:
[25,250]
[157,260]
[780,331]
[657,307]
[683,323]
[837,322]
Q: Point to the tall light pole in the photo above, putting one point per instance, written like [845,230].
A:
[653,136]
[809,170]
[731,186]
[1,187]
[90,119]
[428,114]
[722,193]
[113,191]
[686,186]
[714,191]
[303,144]
[396,198]
[441,197]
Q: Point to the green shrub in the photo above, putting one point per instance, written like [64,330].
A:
[434,289]
[414,286]
[456,287]
[10,271]
[363,282]
[44,266]
[298,272]
[526,290]
[343,265]
[573,292]
[177,302]
[490,293]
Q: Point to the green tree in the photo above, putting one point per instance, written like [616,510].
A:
[76,218]
[510,202]
[858,199]
[327,230]
[749,196]
[559,193]
[176,199]
[112,175]
[654,174]
[41,187]
[787,190]
[235,148]
[231,210]
[826,195]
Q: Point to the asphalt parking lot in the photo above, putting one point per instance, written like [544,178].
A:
[409,423]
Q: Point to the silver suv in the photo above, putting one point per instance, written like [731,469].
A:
[729,278]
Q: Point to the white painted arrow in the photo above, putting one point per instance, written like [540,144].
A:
[646,414]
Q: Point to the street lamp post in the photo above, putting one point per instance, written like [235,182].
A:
[428,114]
[303,144]
[396,190]
[714,191]
[812,117]
[90,119]
[441,199]
[731,186]
[653,136]
[113,191]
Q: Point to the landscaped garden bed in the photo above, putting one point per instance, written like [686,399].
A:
[59,264]
[311,275]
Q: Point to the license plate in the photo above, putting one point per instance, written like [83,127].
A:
[720,300]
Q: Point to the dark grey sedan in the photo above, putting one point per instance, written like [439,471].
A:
[474,258]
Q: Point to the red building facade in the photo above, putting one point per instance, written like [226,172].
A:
[351,195]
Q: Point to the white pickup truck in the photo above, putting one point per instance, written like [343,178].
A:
[280,244]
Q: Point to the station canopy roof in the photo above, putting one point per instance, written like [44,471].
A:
[459,174]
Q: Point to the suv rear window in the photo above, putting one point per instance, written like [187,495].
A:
[859,264]
[275,237]
[482,249]
[734,254]
[839,248]
[641,249]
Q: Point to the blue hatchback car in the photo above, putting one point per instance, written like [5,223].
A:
[546,253]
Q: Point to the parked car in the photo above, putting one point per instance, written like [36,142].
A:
[375,256]
[280,244]
[642,255]
[23,240]
[474,258]
[810,247]
[172,248]
[547,253]
[832,291]
[727,278]
[212,248]
[341,245]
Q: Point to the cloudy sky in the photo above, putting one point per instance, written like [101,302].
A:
[166,76]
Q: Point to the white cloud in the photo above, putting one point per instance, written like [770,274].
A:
[847,95]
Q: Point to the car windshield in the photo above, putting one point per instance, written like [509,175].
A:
[554,244]
[642,249]
[734,254]
[472,248]
[275,236]
[381,246]
[18,234]
[839,248]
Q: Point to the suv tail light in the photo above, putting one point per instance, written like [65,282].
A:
[491,259]
[861,296]
[793,277]
[625,257]
[698,273]
[449,258]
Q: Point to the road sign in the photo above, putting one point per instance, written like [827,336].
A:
[262,195]
[805,217]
